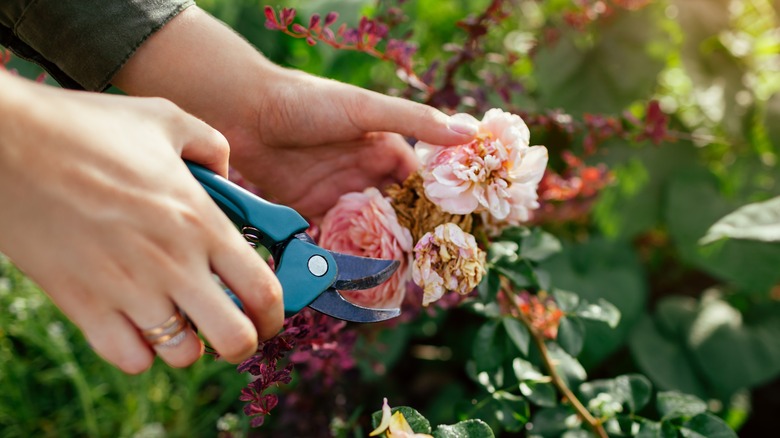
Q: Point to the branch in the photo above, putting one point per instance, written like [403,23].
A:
[581,410]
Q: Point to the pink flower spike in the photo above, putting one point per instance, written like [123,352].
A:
[287,16]
[297,28]
[328,35]
[314,22]
[331,18]
[270,15]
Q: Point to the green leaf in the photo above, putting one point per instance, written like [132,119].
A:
[416,421]
[631,390]
[664,358]
[758,221]
[512,411]
[567,301]
[678,348]
[518,273]
[503,250]
[489,286]
[489,310]
[534,385]
[596,269]
[706,426]
[539,245]
[604,311]
[465,429]
[488,351]
[570,370]
[626,424]
[552,422]
[744,346]
[577,433]
[673,404]
[540,393]
[525,370]
[514,234]
[518,334]
[652,429]
[749,265]
[571,335]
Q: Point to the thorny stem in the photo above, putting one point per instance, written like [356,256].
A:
[336,45]
[581,410]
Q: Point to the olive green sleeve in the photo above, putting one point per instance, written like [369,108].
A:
[82,43]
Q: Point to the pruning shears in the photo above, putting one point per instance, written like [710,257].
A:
[309,275]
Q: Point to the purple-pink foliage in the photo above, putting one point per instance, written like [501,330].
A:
[321,348]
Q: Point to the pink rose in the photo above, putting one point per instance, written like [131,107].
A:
[497,173]
[365,224]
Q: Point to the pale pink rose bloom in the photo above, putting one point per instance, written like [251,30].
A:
[482,176]
[365,224]
[447,259]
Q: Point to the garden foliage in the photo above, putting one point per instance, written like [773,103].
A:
[639,300]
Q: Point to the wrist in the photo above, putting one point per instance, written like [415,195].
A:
[17,108]
[203,66]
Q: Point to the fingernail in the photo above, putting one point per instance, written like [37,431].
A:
[463,124]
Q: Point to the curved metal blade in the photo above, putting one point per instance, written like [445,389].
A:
[357,273]
[333,304]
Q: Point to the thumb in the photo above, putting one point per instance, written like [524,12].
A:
[378,112]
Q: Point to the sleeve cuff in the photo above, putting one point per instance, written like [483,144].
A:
[89,41]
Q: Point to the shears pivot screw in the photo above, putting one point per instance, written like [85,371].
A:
[318,266]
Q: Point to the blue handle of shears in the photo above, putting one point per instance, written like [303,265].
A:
[277,226]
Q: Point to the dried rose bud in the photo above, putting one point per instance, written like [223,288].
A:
[447,259]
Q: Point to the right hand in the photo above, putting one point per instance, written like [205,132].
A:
[99,209]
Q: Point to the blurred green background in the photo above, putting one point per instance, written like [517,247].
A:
[704,320]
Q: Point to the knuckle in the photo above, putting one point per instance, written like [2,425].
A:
[423,113]
[243,343]
[268,289]
[220,146]
[183,358]
[163,105]
[134,363]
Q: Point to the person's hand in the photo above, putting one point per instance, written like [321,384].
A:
[99,209]
[316,139]
[303,140]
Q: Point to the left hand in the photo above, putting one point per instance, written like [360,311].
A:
[303,140]
[316,139]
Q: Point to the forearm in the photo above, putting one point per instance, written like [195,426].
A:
[20,102]
[204,67]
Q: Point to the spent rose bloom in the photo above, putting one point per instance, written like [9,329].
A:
[365,224]
[447,259]
[497,173]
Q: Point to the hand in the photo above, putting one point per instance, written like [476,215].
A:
[315,139]
[100,211]
[303,140]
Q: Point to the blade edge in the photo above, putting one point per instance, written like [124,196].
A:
[333,304]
